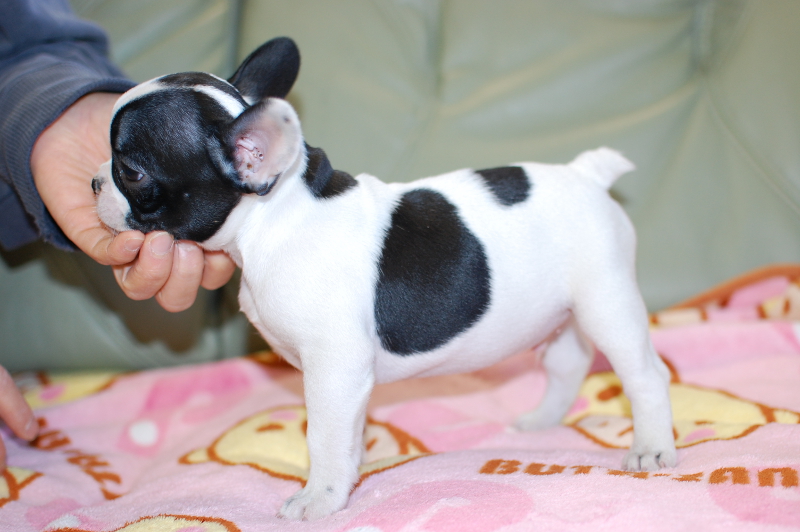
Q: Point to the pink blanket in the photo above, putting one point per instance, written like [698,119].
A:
[218,447]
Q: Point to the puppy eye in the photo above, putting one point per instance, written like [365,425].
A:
[131,174]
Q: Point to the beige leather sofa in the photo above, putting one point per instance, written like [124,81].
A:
[703,95]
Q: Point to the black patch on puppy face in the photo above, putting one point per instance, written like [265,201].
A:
[193,79]
[162,165]
[434,279]
[323,181]
[509,184]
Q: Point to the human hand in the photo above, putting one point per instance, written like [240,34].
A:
[64,161]
[15,412]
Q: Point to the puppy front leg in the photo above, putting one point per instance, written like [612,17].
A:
[336,401]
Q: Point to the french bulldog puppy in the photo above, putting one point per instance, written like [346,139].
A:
[357,282]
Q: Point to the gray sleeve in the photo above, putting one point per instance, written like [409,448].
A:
[49,58]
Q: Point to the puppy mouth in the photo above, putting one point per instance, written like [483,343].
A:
[97,184]
[110,214]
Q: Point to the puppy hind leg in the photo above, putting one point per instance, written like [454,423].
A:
[566,362]
[613,316]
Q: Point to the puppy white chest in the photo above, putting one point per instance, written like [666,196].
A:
[308,281]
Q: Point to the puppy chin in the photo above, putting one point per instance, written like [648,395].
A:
[112,207]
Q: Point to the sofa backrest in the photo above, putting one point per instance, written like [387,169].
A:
[704,96]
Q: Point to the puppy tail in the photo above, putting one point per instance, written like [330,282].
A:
[603,165]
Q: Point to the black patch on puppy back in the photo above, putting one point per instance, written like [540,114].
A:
[434,276]
[509,184]
[323,181]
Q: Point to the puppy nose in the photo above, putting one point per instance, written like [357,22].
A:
[96,184]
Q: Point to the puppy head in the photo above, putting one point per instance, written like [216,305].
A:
[185,147]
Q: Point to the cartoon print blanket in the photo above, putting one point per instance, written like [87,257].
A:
[218,447]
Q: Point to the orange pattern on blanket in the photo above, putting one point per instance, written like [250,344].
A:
[783,305]
[786,477]
[603,413]
[274,441]
[93,465]
[170,523]
[12,480]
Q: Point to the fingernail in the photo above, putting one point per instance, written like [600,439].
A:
[161,244]
[30,425]
[134,243]
[184,248]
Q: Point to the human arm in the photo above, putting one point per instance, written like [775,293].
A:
[54,119]
[56,88]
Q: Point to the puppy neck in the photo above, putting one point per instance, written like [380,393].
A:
[295,195]
[288,193]
[322,180]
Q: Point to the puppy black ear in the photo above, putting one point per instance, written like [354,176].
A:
[262,143]
[270,71]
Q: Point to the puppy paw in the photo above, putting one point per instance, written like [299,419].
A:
[311,504]
[638,460]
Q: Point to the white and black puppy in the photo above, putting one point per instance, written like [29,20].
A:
[356,282]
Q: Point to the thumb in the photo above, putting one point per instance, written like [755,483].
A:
[112,250]
[103,245]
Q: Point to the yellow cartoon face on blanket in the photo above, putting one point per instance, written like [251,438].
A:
[603,414]
[170,523]
[274,442]
[49,389]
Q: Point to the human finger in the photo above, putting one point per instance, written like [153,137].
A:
[218,269]
[112,250]
[146,276]
[15,412]
[180,290]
